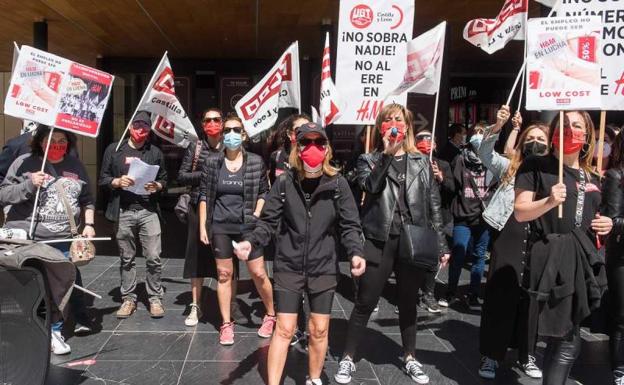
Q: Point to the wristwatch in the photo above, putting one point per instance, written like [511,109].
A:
[90,224]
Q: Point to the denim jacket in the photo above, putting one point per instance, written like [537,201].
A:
[501,205]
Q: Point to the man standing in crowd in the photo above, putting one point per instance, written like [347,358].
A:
[457,140]
[135,213]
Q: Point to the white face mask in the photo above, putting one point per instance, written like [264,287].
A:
[606,151]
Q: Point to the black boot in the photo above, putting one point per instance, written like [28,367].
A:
[616,343]
[559,358]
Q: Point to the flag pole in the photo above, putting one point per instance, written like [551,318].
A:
[435,119]
[141,101]
[526,40]
[561,117]
[45,157]
[601,137]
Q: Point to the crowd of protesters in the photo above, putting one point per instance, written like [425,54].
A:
[547,272]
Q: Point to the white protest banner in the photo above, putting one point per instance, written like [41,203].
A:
[492,35]
[371,55]
[424,63]
[280,88]
[330,104]
[549,3]
[563,63]
[169,120]
[55,91]
[612,13]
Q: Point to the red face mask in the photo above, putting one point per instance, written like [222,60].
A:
[400,130]
[57,151]
[212,128]
[424,146]
[313,157]
[573,139]
[139,135]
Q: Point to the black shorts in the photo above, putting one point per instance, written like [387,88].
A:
[288,301]
[223,249]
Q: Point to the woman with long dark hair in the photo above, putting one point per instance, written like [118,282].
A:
[613,207]
[397,179]
[564,263]
[312,208]
[231,196]
[505,314]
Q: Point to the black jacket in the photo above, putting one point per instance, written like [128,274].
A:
[374,172]
[255,184]
[111,169]
[307,239]
[466,207]
[613,207]
[189,177]
[447,193]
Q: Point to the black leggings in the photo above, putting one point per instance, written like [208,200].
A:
[371,285]
[559,357]
[615,269]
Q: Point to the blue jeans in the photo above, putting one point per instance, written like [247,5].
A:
[462,235]
[76,300]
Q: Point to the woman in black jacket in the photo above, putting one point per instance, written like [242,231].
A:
[395,169]
[196,264]
[232,189]
[564,264]
[311,206]
[613,207]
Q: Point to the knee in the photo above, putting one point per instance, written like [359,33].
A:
[258,274]
[284,331]
[318,332]
[224,275]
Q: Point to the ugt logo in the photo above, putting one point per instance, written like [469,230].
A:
[165,82]
[165,127]
[361,16]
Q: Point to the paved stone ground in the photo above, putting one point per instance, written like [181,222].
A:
[140,350]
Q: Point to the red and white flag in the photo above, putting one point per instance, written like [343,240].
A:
[549,3]
[492,35]
[169,120]
[330,105]
[424,63]
[280,88]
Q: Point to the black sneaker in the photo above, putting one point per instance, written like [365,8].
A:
[83,326]
[472,300]
[448,300]
[345,368]
[298,337]
[429,303]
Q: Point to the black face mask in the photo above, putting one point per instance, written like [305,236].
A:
[534,148]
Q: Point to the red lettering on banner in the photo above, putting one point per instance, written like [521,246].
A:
[165,82]
[268,89]
[368,111]
[587,48]
[489,26]
[165,127]
[361,16]
[619,84]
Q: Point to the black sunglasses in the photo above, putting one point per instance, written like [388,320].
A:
[317,141]
[238,130]
[208,120]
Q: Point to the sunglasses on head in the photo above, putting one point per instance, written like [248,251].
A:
[208,120]
[238,130]
[317,141]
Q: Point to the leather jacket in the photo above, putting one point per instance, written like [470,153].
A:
[376,179]
[613,207]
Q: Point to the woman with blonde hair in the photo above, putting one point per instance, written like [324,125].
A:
[312,208]
[232,189]
[401,194]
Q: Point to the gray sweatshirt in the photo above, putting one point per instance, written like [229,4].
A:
[18,191]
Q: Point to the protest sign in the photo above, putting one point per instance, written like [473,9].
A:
[563,63]
[492,35]
[169,120]
[55,91]
[612,13]
[330,103]
[280,88]
[372,42]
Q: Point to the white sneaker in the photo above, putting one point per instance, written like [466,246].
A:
[194,316]
[316,381]
[413,368]
[345,368]
[530,369]
[618,377]
[488,368]
[59,346]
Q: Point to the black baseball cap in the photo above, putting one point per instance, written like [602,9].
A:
[309,128]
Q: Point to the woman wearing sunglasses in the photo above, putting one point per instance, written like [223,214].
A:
[312,208]
[196,265]
[397,180]
[232,189]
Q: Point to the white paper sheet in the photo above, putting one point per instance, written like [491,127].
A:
[141,173]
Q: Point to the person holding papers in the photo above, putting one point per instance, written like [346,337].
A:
[19,190]
[231,196]
[136,211]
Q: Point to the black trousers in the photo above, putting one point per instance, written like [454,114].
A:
[615,270]
[370,287]
[559,357]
